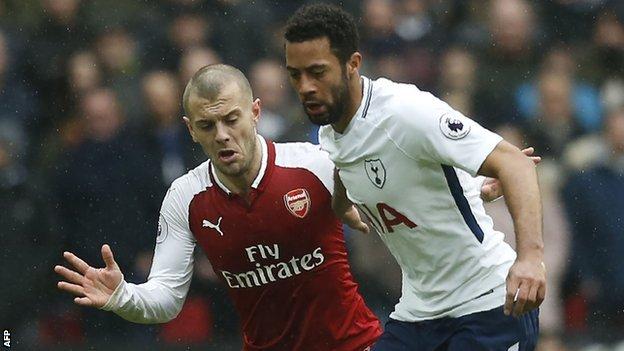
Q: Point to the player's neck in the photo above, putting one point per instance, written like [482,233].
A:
[241,185]
[355,99]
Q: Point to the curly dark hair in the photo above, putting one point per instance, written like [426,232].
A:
[324,20]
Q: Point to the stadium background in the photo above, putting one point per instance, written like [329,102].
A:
[91,135]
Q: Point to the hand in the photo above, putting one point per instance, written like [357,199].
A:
[92,286]
[526,287]
[351,217]
[492,189]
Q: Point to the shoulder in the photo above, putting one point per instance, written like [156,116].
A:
[195,179]
[300,155]
[306,156]
[184,188]
[404,104]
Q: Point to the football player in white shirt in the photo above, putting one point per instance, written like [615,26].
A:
[408,161]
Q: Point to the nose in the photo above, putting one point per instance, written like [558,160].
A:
[223,135]
[306,86]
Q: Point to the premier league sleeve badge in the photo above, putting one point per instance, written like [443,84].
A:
[454,126]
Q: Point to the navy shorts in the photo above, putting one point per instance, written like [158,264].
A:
[483,331]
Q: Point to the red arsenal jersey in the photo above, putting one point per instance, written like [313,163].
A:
[283,257]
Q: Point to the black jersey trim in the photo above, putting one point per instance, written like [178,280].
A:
[369,93]
[462,203]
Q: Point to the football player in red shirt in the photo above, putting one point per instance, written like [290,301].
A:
[261,211]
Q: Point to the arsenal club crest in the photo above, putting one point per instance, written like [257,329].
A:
[298,202]
[376,172]
[454,126]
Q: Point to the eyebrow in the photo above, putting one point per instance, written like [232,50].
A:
[236,109]
[312,66]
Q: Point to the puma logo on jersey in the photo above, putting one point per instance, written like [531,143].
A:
[208,224]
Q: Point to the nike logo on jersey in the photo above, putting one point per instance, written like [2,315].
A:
[208,224]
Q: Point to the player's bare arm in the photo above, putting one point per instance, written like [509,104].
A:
[91,286]
[491,188]
[526,282]
[344,209]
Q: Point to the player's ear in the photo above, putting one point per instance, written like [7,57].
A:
[354,63]
[189,125]
[256,108]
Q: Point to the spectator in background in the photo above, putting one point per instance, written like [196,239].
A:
[414,25]
[606,61]
[456,83]
[508,61]
[186,31]
[571,21]
[61,32]
[171,149]
[194,59]
[241,19]
[189,30]
[83,73]
[414,22]
[594,201]
[117,51]
[281,120]
[555,123]
[391,55]
[584,98]
[17,103]
[608,39]
[379,36]
[391,66]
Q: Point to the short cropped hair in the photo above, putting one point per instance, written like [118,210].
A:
[323,20]
[209,80]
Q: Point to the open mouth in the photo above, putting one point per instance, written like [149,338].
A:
[314,107]
[226,155]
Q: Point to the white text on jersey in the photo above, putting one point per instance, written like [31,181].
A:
[273,272]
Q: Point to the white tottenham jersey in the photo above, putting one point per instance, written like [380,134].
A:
[408,161]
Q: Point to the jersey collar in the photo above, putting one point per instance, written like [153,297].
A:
[367,90]
[264,162]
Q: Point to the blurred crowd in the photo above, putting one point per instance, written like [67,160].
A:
[91,136]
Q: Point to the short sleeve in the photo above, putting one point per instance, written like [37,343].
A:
[424,126]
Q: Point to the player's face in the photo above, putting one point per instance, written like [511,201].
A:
[319,79]
[225,127]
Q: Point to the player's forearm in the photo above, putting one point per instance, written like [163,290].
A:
[156,301]
[519,182]
[340,202]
